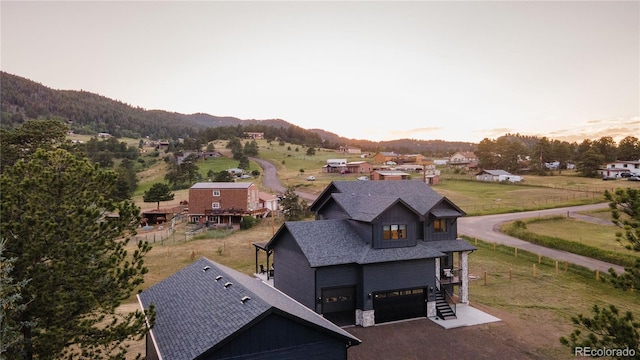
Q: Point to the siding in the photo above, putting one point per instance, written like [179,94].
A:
[398,214]
[450,234]
[332,211]
[396,276]
[277,337]
[336,276]
[292,272]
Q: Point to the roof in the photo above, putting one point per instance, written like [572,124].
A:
[221,185]
[335,242]
[414,193]
[495,172]
[195,312]
[266,196]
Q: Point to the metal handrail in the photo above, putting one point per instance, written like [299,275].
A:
[447,297]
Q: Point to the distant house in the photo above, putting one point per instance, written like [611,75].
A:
[497,175]
[209,311]
[378,251]
[349,150]
[268,201]
[384,157]
[462,159]
[104,135]
[615,168]
[335,166]
[224,202]
[359,167]
[254,135]
[389,175]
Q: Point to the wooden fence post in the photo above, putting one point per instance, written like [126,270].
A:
[494,245]
[556,266]
[534,270]
[597,274]
[510,274]
[566,265]
[485,278]
[539,259]
[515,252]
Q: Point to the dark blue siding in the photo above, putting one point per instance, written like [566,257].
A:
[292,272]
[398,214]
[396,276]
[332,211]
[277,337]
[364,230]
[450,234]
[337,276]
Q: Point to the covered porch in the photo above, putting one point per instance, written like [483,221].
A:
[267,271]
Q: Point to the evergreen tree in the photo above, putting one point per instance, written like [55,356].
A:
[23,141]
[66,234]
[625,214]
[251,148]
[590,162]
[244,162]
[311,151]
[158,192]
[629,148]
[606,329]
[223,176]
[293,207]
[236,148]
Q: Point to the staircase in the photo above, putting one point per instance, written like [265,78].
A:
[443,309]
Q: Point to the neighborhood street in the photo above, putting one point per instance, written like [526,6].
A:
[487,227]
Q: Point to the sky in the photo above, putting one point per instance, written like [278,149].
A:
[376,70]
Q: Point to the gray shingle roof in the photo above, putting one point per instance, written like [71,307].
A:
[194,312]
[450,245]
[364,208]
[414,193]
[335,242]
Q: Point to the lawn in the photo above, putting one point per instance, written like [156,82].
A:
[546,302]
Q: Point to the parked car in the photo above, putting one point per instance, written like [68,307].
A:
[363,178]
[311,178]
[626,174]
[245,176]
[634,178]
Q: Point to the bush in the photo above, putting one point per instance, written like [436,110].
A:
[247,222]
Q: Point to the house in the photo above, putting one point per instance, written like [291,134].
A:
[359,167]
[616,168]
[335,166]
[104,135]
[378,251]
[254,135]
[461,159]
[268,201]
[384,157]
[389,175]
[224,202]
[349,150]
[497,175]
[209,311]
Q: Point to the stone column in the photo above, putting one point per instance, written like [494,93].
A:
[365,318]
[438,268]
[463,258]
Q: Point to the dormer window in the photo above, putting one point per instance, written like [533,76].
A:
[394,232]
[440,225]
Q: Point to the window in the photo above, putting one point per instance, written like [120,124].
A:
[440,225]
[215,205]
[216,192]
[394,232]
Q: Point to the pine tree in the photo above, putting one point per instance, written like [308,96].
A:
[68,237]
[158,192]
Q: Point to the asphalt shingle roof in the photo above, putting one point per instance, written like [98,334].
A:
[195,312]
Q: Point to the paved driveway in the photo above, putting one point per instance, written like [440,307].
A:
[487,228]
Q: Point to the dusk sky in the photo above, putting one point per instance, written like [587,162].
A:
[450,70]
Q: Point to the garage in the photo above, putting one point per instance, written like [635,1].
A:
[399,305]
[339,305]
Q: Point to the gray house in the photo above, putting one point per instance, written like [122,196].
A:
[378,251]
[208,311]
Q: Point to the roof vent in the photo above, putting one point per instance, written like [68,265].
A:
[218,277]
[227,284]
[244,299]
[206,268]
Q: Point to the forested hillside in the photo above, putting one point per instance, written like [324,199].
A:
[88,113]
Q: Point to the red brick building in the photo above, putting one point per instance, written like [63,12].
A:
[224,202]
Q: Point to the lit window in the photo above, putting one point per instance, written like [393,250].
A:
[215,205]
[216,192]
[440,225]
[394,232]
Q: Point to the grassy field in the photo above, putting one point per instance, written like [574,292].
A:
[545,303]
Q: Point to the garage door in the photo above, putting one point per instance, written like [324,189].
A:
[399,305]
[339,305]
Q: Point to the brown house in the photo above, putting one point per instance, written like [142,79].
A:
[224,202]
[359,167]
[383,157]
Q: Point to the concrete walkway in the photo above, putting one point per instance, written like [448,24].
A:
[466,316]
[487,228]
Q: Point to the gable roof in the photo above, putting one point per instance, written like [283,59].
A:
[335,242]
[414,193]
[494,172]
[366,208]
[196,313]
